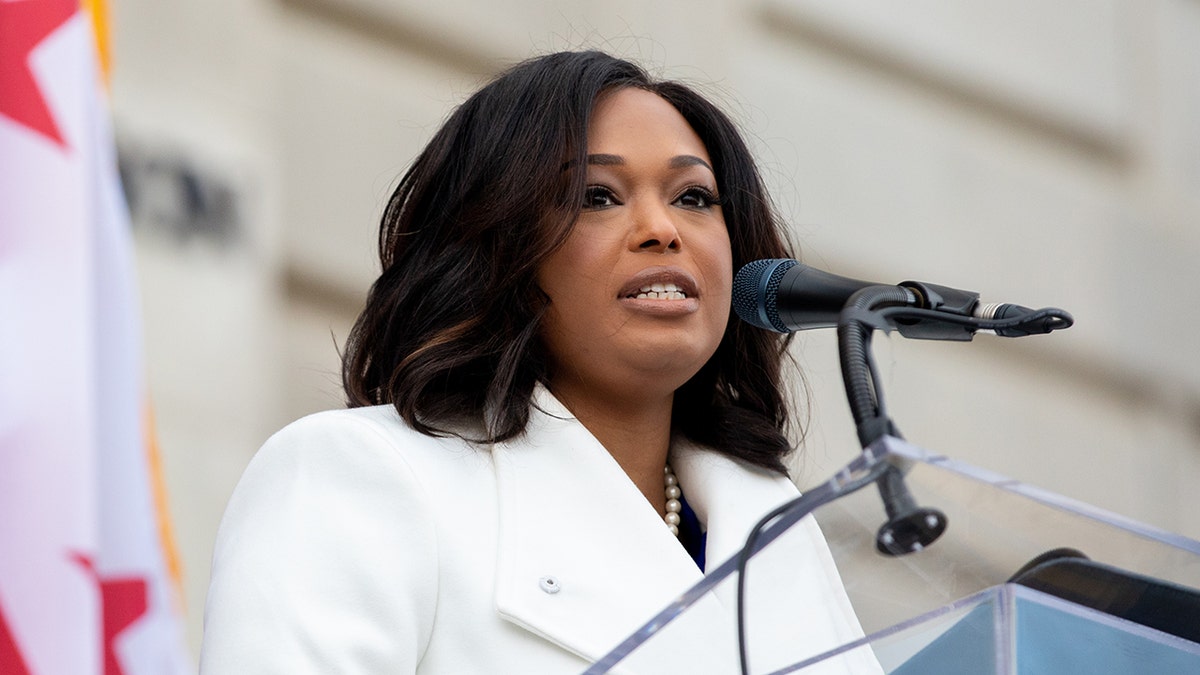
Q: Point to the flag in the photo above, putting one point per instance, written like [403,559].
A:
[86,581]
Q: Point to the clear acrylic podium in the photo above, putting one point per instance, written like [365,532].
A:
[1130,607]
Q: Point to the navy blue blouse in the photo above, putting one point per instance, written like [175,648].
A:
[691,533]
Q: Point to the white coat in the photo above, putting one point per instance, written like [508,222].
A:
[353,544]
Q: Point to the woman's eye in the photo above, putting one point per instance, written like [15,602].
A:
[698,198]
[598,197]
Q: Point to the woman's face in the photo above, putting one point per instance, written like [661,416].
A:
[640,291]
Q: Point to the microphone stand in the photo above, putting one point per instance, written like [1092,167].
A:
[909,528]
[921,311]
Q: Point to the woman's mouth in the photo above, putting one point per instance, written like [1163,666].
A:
[660,283]
[661,291]
[667,291]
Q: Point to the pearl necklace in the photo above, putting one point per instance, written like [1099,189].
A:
[673,506]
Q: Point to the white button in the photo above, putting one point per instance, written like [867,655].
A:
[549,585]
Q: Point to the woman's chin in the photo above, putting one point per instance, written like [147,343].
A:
[664,368]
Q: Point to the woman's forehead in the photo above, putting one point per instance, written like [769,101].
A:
[636,122]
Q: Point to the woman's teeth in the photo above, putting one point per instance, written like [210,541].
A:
[661,292]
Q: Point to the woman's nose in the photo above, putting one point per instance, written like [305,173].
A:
[654,229]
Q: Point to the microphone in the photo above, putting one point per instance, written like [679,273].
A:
[783,295]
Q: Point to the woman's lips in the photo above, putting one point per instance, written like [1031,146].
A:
[665,291]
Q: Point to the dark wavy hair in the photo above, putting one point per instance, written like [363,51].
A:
[450,330]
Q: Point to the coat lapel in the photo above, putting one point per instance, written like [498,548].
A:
[575,538]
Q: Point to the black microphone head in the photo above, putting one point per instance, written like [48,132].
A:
[755,292]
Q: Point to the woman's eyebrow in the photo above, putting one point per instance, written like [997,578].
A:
[681,161]
[602,159]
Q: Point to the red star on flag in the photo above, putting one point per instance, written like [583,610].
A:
[124,601]
[24,24]
[11,661]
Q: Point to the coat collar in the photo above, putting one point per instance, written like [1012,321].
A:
[571,521]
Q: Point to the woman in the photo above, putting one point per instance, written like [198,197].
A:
[549,345]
